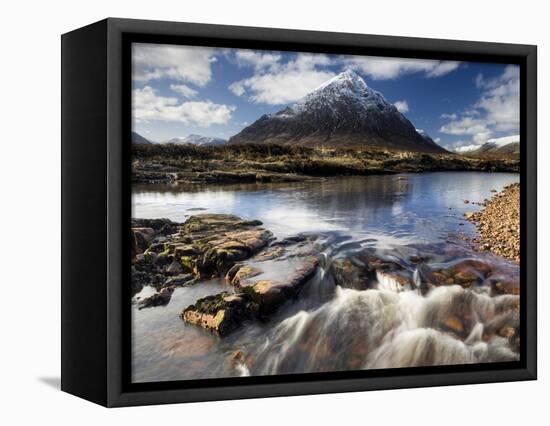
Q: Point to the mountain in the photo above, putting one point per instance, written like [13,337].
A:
[197,140]
[505,147]
[490,149]
[137,139]
[343,111]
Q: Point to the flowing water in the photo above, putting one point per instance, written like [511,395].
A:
[330,328]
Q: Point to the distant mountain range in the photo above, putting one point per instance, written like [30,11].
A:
[343,111]
[137,139]
[197,140]
[507,147]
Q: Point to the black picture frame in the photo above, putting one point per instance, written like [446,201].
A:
[96,124]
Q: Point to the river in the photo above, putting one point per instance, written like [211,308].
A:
[331,328]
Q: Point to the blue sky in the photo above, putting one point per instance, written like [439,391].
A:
[181,90]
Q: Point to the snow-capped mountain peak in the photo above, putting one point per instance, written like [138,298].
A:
[348,78]
[196,140]
[348,87]
[343,111]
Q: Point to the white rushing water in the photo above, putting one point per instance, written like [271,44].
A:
[390,329]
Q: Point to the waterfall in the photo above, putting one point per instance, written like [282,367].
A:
[380,328]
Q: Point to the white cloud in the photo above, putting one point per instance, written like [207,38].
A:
[239,87]
[402,106]
[464,126]
[180,63]
[496,111]
[501,100]
[256,59]
[379,68]
[449,116]
[279,83]
[184,90]
[148,106]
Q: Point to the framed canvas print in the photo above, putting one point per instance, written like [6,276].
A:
[253,212]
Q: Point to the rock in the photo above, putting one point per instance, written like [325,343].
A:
[138,280]
[465,272]
[206,245]
[272,294]
[395,280]
[147,233]
[179,280]
[262,286]
[160,226]
[158,299]
[369,269]
[454,324]
[239,273]
[270,253]
[134,250]
[417,259]
[221,313]
[348,274]
[498,223]
[464,278]
[141,241]
[504,286]
[216,242]
[175,268]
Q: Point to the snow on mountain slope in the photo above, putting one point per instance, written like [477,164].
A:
[343,111]
[197,140]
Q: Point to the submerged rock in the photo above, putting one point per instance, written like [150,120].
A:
[371,269]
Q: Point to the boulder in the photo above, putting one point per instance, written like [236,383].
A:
[162,227]
[262,287]
[210,244]
[206,245]
[221,313]
[180,280]
[371,269]
[239,273]
[158,299]
[350,274]
[270,294]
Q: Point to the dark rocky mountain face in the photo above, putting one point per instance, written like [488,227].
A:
[137,139]
[345,112]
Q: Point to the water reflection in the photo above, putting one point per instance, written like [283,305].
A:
[417,207]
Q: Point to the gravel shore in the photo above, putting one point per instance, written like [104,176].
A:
[498,223]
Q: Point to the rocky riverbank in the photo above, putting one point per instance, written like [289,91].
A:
[275,163]
[263,273]
[498,223]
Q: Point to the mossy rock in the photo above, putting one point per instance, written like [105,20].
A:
[187,263]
